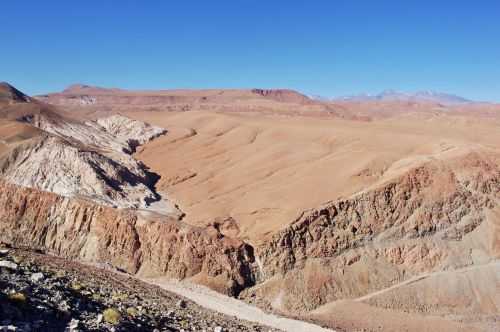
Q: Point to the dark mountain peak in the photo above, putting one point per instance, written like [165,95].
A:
[10,94]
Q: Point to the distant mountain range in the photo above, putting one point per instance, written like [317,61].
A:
[393,95]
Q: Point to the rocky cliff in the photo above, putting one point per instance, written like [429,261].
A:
[62,179]
[428,219]
[125,239]
[115,133]
[71,157]
[53,164]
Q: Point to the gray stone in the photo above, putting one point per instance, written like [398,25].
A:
[181,304]
[73,325]
[8,265]
[36,277]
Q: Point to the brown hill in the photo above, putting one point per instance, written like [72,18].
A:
[9,94]
[91,100]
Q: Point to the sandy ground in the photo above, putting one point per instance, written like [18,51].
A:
[345,315]
[445,275]
[426,290]
[262,171]
[233,307]
[355,316]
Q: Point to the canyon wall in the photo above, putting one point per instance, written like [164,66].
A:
[151,247]
[428,219]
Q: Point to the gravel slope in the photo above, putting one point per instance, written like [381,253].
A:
[44,293]
[233,307]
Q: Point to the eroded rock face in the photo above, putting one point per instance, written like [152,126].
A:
[428,200]
[52,164]
[423,221]
[91,160]
[132,132]
[59,186]
[116,133]
[149,247]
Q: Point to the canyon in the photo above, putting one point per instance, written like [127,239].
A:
[351,214]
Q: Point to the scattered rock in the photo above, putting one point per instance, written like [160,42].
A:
[181,304]
[8,265]
[73,325]
[64,307]
[36,277]
[52,304]
[76,286]
[17,260]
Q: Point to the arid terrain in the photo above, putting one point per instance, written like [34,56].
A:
[352,214]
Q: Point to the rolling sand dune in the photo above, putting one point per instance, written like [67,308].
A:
[263,171]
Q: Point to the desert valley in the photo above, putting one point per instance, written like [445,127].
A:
[268,208]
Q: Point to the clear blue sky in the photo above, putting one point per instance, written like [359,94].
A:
[329,48]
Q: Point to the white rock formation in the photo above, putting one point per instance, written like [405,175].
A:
[91,160]
[130,131]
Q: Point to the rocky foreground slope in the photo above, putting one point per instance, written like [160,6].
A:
[44,293]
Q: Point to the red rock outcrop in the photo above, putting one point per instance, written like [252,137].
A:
[283,95]
[147,246]
[416,223]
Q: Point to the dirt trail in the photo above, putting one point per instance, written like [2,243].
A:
[422,277]
[233,307]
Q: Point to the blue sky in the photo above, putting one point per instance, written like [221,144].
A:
[329,48]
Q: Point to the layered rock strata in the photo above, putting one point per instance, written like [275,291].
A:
[436,216]
[90,160]
[149,247]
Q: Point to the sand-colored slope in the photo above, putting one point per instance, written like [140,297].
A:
[355,316]
[262,171]
[13,133]
[469,291]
